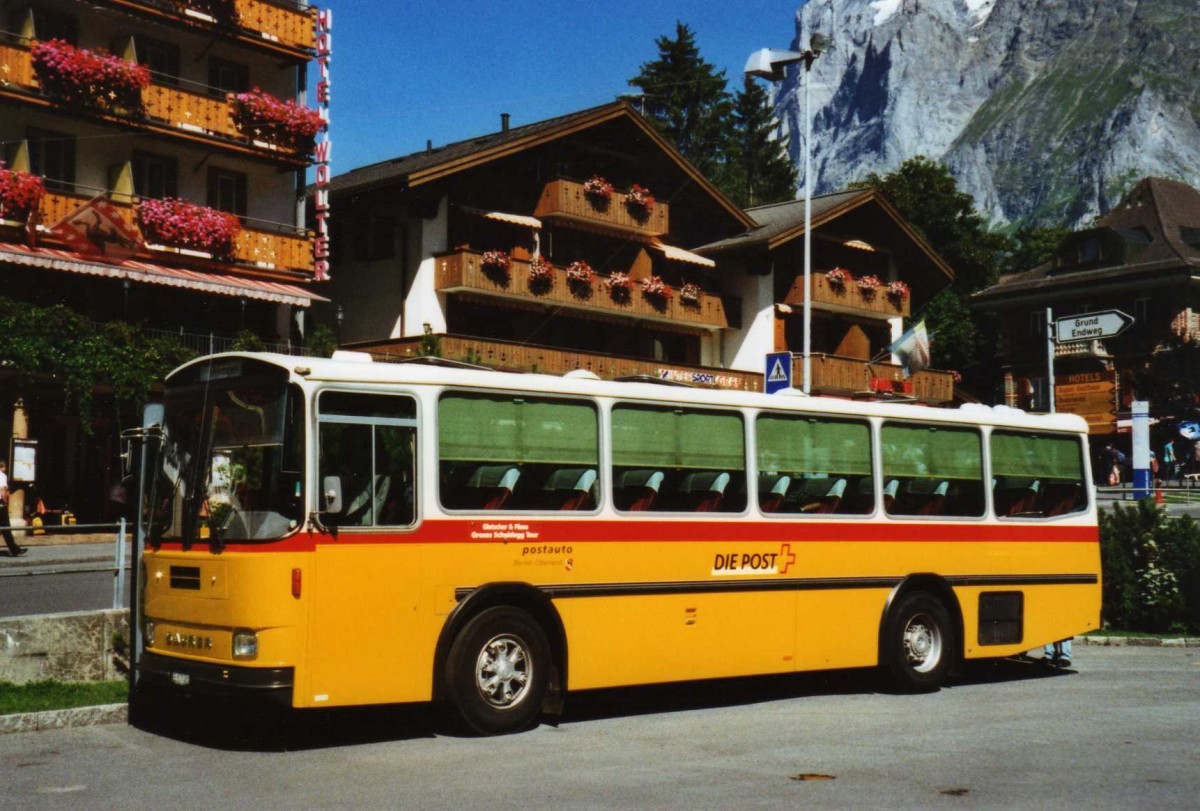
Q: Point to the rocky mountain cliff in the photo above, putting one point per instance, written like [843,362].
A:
[1046,111]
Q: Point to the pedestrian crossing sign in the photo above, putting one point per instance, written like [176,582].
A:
[778,372]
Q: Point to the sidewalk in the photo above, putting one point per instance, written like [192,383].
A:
[56,550]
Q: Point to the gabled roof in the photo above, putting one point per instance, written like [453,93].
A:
[781,223]
[1166,212]
[439,162]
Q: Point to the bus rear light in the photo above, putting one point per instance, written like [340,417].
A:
[245,645]
[296,583]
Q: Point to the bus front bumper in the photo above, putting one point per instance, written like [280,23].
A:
[273,684]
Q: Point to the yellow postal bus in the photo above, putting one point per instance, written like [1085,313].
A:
[342,532]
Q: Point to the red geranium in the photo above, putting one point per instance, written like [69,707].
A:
[180,224]
[20,194]
[261,116]
[92,78]
[640,200]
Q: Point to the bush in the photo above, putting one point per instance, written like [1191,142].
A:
[1151,565]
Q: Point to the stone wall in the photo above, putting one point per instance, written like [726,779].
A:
[77,646]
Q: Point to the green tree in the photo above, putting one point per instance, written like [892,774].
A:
[687,100]
[56,343]
[1032,246]
[757,170]
[927,195]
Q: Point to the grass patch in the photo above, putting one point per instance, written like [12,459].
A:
[1139,634]
[58,695]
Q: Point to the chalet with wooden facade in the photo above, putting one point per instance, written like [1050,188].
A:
[1142,258]
[869,270]
[535,248]
[174,137]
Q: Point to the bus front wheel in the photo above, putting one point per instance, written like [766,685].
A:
[918,642]
[498,670]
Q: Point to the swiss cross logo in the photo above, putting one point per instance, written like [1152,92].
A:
[98,231]
[786,558]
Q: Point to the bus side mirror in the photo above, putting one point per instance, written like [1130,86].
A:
[331,494]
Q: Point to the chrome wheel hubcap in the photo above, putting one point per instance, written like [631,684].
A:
[503,671]
[922,643]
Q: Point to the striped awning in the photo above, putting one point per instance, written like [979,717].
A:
[680,255]
[221,284]
[503,216]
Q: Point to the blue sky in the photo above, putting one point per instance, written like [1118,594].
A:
[403,71]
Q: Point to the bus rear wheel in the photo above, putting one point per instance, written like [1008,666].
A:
[918,642]
[498,670]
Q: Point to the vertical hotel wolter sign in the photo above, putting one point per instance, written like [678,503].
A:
[323,25]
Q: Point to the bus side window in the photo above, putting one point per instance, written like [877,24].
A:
[817,465]
[508,452]
[671,460]
[932,470]
[1036,475]
[368,441]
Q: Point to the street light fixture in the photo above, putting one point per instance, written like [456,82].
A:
[769,64]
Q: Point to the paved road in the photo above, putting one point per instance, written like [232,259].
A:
[1121,732]
[50,579]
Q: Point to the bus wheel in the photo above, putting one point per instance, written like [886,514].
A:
[918,642]
[498,670]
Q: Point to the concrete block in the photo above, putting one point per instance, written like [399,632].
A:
[76,646]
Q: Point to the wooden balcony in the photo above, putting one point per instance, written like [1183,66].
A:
[848,298]
[564,200]
[514,357]
[463,271]
[255,248]
[279,26]
[167,109]
[847,377]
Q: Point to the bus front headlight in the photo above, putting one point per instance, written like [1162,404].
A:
[245,644]
[148,633]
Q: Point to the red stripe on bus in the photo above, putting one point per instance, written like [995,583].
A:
[503,530]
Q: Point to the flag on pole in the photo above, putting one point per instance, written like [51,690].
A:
[912,348]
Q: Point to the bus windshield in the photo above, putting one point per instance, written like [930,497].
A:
[230,458]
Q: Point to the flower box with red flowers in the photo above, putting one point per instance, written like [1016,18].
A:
[598,189]
[541,275]
[655,287]
[261,117]
[868,284]
[20,194]
[690,293]
[897,290]
[580,273]
[837,278]
[639,201]
[89,78]
[187,226]
[495,260]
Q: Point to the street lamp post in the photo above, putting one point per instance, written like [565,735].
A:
[769,64]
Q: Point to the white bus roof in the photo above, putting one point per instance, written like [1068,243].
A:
[358,368]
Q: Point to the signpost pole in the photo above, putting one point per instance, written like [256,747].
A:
[1140,413]
[1050,354]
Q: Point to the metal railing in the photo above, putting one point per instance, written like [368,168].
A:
[211,343]
[120,559]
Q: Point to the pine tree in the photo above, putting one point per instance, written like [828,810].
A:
[687,100]
[758,169]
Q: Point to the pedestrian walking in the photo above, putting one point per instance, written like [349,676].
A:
[1170,471]
[1057,654]
[13,549]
